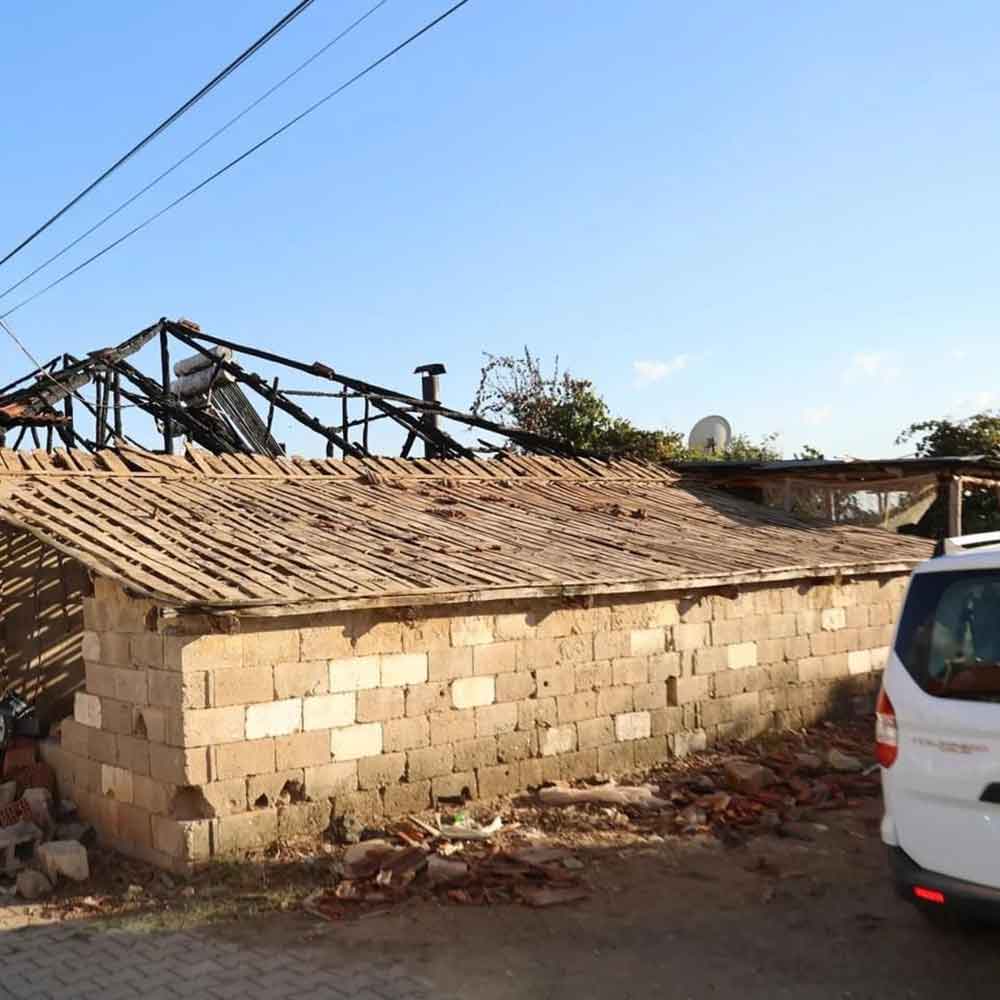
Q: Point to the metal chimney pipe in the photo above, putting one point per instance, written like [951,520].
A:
[431,392]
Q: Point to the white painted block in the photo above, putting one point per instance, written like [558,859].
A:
[274,718]
[646,642]
[471,692]
[557,739]
[354,742]
[743,654]
[833,619]
[404,668]
[632,726]
[329,711]
[87,709]
[358,673]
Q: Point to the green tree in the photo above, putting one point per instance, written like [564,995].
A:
[517,390]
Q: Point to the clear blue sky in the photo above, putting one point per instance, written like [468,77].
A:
[782,212]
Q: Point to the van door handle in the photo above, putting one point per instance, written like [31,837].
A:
[991,793]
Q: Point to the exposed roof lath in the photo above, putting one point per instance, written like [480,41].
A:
[246,532]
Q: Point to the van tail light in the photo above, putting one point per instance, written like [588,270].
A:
[928,895]
[886,732]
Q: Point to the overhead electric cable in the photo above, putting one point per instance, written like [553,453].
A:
[167,122]
[197,149]
[239,159]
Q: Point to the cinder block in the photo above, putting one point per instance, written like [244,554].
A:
[574,707]
[301,750]
[647,642]
[328,781]
[237,760]
[557,740]
[595,732]
[87,709]
[430,762]
[632,726]
[153,796]
[278,718]
[447,664]
[297,680]
[496,658]
[649,696]
[462,784]
[133,754]
[379,704]
[203,652]
[406,734]
[631,670]
[664,721]
[151,723]
[575,649]
[264,649]
[491,720]
[183,841]
[379,637]
[404,668]
[423,634]
[664,666]
[177,765]
[234,834]
[685,743]
[513,625]
[452,727]
[725,632]
[614,700]
[580,764]
[832,619]
[649,753]
[516,746]
[353,742]
[536,712]
[473,754]
[613,645]
[171,689]
[822,643]
[236,686]
[330,711]
[303,819]
[359,673]
[689,636]
[324,642]
[589,676]
[515,687]
[796,647]
[780,626]
[503,779]
[365,806]
[116,783]
[710,659]
[555,681]
[102,746]
[551,622]
[425,699]
[226,798]
[414,796]
[474,630]
[385,769]
[742,655]
[537,654]
[146,650]
[471,692]
[75,737]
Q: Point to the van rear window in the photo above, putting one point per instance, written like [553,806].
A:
[949,634]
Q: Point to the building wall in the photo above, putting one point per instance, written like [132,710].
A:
[41,623]
[187,746]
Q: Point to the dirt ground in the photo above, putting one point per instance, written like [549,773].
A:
[667,916]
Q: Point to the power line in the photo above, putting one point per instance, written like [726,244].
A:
[168,121]
[197,149]
[239,159]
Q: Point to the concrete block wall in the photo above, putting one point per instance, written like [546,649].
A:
[188,746]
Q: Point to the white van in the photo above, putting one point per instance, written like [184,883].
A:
[938,731]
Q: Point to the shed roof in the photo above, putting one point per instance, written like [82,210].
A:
[276,535]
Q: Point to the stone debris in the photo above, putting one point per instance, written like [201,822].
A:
[843,762]
[748,778]
[32,884]
[66,858]
[8,792]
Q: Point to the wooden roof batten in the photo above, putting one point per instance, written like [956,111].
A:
[256,536]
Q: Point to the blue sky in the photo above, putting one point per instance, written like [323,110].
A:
[785,213]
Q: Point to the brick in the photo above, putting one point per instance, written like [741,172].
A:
[471,692]
[183,841]
[631,670]
[462,784]
[171,689]
[472,631]
[690,636]
[612,645]
[573,707]
[503,779]
[536,712]
[279,718]
[452,727]
[595,732]
[329,711]
[473,754]
[329,781]
[265,649]
[647,696]
[177,765]
[491,720]
[353,742]
[709,660]
[447,664]
[742,655]
[238,686]
[414,796]
[515,746]
[235,834]
[496,658]
[430,762]
[557,740]
[385,769]
[515,687]
[405,668]
[555,681]
[296,680]
[237,760]
[133,754]
[632,726]
[324,642]
[204,652]
[832,619]
[424,699]
[647,642]
[301,750]
[614,700]
[87,709]
[380,704]
[406,734]
[116,783]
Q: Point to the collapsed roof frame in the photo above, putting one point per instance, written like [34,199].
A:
[229,424]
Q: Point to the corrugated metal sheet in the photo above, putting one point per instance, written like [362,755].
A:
[245,531]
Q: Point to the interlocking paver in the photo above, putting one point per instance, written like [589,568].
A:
[75,964]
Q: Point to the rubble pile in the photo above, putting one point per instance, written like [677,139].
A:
[41,837]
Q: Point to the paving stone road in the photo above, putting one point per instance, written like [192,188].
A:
[72,963]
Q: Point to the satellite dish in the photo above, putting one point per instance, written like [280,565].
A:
[711,435]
